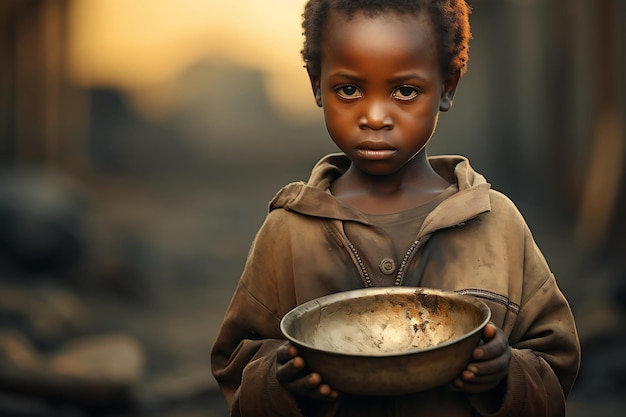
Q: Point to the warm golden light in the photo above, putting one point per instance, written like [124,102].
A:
[140,44]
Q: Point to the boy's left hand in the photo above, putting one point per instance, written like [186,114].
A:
[490,362]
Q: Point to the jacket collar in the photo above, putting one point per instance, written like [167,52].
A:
[313,198]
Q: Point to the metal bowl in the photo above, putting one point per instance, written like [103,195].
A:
[387,341]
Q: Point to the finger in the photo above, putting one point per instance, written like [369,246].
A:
[311,386]
[290,370]
[326,391]
[493,366]
[489,331]
[475,373]
[491,379]
[474,388]
[286,352]
[497,352]
[481,384]
[495,347]
[304,385]
[477,383]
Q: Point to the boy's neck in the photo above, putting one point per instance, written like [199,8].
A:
[416,184]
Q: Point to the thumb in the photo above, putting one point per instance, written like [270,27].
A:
[490,330]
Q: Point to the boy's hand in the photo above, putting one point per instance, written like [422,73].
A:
[491,362]
[292,374]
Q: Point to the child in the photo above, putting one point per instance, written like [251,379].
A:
[382,213]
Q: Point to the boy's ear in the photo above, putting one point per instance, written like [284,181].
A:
[449,88]
[315,85]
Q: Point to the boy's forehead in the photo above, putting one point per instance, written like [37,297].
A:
[374,23]
[383,43]
[365,29]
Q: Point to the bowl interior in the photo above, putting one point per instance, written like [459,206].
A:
[377,322]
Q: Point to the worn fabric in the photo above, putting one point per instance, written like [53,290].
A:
[475,242]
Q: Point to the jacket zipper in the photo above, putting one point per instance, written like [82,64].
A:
[405,261]
[367,280]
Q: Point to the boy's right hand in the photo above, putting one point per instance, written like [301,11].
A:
[293,375]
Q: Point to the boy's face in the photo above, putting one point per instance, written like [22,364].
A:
[381,87]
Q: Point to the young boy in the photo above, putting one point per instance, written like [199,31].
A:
[382,213]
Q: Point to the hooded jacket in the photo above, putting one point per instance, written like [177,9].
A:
[474,242]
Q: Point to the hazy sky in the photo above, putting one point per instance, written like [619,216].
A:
[140,44]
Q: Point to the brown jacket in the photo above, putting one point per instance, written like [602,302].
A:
[475,242]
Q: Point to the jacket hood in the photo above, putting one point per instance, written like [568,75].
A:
[313,198]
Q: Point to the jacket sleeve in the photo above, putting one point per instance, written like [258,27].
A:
[244,354]
[243,361]
[545,345]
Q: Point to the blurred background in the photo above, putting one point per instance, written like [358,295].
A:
[141,141]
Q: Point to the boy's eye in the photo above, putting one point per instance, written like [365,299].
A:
[405,92]
[349,92]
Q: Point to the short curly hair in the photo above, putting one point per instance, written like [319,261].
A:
[450,18]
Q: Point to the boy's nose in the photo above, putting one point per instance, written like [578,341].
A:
[376,116]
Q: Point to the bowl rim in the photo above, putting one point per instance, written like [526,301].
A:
[372,291]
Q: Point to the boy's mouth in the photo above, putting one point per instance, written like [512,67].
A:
[375,150]
[373,154]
